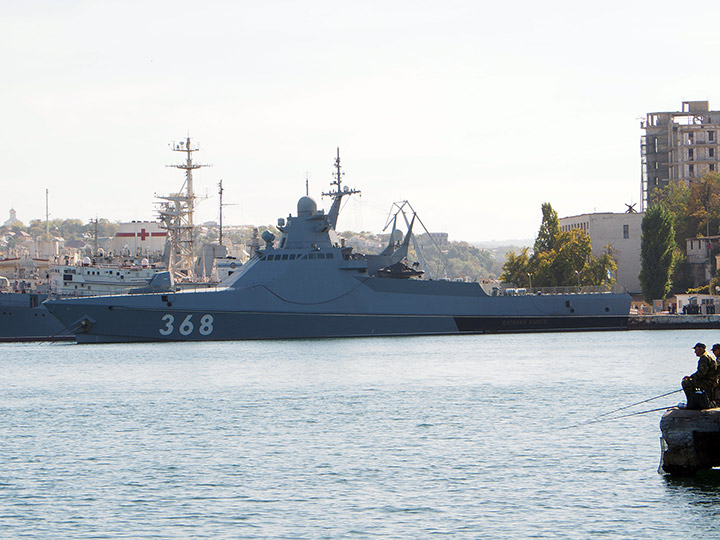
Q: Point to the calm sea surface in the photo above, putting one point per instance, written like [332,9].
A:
[442,437]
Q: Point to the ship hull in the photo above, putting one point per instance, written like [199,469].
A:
[210,316]
[23,317]
[245,327]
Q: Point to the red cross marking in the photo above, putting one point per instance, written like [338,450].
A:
[143,234]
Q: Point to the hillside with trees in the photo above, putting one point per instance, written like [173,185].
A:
[67,229]
[442,260]
[452,260]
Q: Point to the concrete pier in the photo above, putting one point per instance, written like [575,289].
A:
[690,440]
[672,322]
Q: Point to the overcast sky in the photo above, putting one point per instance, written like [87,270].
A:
[476,112]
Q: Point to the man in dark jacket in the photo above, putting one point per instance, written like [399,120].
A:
[716,352]
[700,386]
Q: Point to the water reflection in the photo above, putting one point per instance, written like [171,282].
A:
[700,493]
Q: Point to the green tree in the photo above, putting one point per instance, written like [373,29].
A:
[676,197]
[695,209]
[568,262]
[703,207]
[516,268]
[657,253]
[601,270]
[573,252]
[549,230]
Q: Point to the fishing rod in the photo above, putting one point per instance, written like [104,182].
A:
[597,420]
[639,403]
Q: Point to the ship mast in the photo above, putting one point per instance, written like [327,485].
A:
[339,193]
[177,214]
[220,192]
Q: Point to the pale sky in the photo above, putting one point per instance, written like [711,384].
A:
[476,112]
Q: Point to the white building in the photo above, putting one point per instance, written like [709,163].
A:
[13,219]
[622,232]
[697,304]
[139,238]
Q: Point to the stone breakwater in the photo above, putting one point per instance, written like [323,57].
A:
[672,322]
[690,440]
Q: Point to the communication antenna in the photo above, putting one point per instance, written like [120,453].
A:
[220,193]
[338,194]
[47,216]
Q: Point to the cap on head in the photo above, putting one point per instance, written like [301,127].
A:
[716,346]
[701,345]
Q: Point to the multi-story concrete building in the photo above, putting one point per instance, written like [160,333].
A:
[700,256]
[622,232]
[678,146]
[439,237]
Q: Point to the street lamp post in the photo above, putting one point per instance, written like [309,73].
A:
[577,274]
[530,281]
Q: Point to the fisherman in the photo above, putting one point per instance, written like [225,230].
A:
[716,351]
[700,386]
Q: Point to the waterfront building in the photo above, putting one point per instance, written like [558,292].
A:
[622,231]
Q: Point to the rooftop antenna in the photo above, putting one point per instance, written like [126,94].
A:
[47,216]
[95,236]
[307,184]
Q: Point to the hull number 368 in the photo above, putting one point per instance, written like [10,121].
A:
[187,326]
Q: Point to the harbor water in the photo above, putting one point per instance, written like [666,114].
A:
[420,437]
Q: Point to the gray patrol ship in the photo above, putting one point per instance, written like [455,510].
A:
[310,285]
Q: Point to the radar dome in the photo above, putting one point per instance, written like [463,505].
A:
[306,206]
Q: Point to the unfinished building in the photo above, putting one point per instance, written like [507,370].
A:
[678,146]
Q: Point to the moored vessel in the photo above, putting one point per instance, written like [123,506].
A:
[308,284]
[23,317]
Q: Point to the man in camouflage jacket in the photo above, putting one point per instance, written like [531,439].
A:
[704,380]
